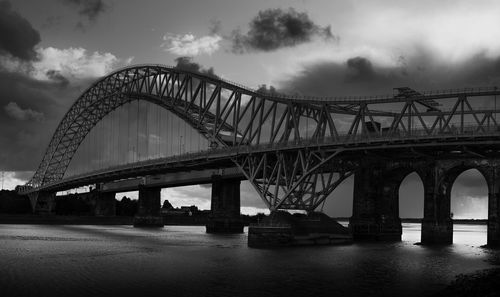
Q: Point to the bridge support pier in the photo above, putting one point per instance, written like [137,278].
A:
[494,208]
[375,213]
[104,204]
[148,213]
[45,203]
[437,225]
[225,207]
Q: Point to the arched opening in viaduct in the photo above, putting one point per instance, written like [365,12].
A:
[411,206]
[469,201]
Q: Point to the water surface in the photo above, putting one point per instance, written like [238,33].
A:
[48,260]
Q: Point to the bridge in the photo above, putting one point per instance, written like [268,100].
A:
[150,126]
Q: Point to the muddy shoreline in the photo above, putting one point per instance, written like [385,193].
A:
[483,283]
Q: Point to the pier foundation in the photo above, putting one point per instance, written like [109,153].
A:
[437,225]
[225,214]
[45,203]
[148,212]
[375,213]
[281,228]
[494,208]
[104,204]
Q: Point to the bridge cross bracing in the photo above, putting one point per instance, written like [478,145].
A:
[294,150]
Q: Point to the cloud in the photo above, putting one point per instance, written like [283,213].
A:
[188,195]
[16,112]
[189,45]
[90,9]
[186,63]
[17,36]
[11,179]
[198,195]
[56,76]
[360,76]
[359,69]
[43,89]
[73,63]
[273,29]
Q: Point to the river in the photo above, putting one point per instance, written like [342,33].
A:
[63,260]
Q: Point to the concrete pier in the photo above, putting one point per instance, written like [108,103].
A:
[437,225]
[437,232]
[284,229]
[225,207]
[494,207]
[375,213]
[148,213]
[45,203]
[104,204]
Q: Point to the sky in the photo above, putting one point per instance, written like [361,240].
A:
[52,50]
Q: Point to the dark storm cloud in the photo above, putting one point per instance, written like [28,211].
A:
[29,112]
[359,69]
[273,29]
[359,76]
[18,113]
[17,36]
[90,9]
[56,76]
[186,63]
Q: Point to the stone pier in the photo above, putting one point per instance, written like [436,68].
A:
[375,213]
[225,207]
[281,229]
[45,203]
[494,207]
[148,212]
[104,204]
[437,225]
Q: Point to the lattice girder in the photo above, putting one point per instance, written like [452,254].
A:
[295,179]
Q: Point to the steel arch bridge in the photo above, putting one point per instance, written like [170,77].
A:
[294,150]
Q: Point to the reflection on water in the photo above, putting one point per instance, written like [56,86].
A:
[38,260]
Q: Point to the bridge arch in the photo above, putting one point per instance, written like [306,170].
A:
[163,86]
[392,180]
[447,178]
[138,132]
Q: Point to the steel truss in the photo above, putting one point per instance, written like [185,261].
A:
[295,179]
[233,116]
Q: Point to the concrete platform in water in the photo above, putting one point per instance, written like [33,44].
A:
[285,229]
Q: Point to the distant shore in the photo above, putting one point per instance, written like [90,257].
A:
[128,220]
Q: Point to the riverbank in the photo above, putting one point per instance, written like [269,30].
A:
[484,283]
